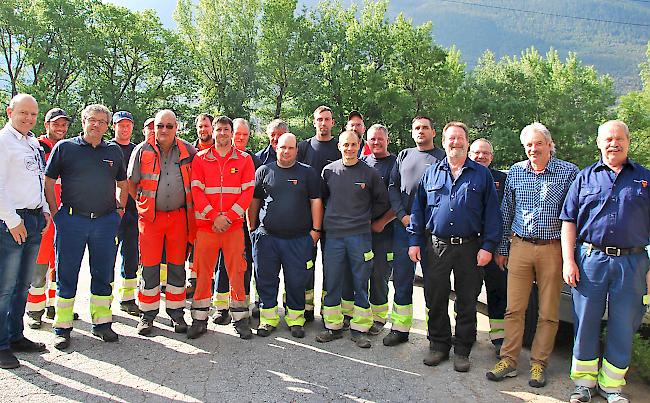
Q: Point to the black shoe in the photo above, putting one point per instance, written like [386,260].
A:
[130,307]
[8,360]
[265,330]
[25,345]
[221,317]
[360,339]
[329,335]
[395,337]
[243,328]
[180,326]
[309,316]
[62,341]
[34,319]
[346,323]
[106,334]
[50,312]
[255,311]
[434,358]
[197,328]
[461,363]
[75,316]
[297,331]
[376,328]
[145,327]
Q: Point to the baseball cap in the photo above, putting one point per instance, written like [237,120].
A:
[355,113]
[148,122]
[121,115]
[56,113]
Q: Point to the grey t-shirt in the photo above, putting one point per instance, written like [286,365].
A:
[171,191]
[354,196]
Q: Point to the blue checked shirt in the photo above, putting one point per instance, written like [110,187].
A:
[532,202]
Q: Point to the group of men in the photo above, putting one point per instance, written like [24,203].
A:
[236,213]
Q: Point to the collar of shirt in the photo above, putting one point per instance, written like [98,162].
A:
[600,165]
[18,134]
[82,142]
[551,166]
[468,164]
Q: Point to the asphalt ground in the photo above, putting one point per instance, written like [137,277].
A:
[219,367]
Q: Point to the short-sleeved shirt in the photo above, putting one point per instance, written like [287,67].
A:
[286,195]
[354,196]
[317,154]
[88,174]
[170,194]
[383,166]
[610,209]
[127,150]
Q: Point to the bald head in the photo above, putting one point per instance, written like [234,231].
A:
[349,147]
[481,151]
[22,113]
[287,138]
[287,150]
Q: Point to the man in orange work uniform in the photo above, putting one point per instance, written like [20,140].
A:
[159,181]
[223,180]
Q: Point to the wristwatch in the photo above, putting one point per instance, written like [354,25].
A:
[317,230]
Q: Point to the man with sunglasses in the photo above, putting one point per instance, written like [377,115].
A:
[159,180]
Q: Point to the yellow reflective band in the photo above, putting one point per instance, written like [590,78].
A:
[390,256]
[117,241]
[368,256]
[646,299]
[310,264]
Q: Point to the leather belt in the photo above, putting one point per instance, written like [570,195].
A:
[32,211]
[456,240]
[88,214]
[537,241]
[615,251]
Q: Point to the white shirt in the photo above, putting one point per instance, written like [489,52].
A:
[21,175]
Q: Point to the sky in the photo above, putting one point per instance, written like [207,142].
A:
[164,8]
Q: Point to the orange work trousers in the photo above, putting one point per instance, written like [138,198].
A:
[168,230]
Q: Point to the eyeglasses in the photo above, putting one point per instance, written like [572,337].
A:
[168,126]
[94,121]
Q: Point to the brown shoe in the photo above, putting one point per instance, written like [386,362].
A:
[434,358]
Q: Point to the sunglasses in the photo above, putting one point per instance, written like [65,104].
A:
[168,126]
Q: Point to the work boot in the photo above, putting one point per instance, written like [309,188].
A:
[376,328]
[329,335]
[346,323]
[395,337]
[190,288]
[25,345]
[435,357]
[265,330]
[297,331]
[50,312]
[197,328]
[500,371]
[309,316]
[221,317]
[582,394]
[243,328]
[8,360]
[62,341]
[537,376]
[180,326]
[34,319]
[145,327]
[461,363]
[360,339]
[130,307]
[105,333]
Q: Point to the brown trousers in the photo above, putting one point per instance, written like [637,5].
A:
[528,263]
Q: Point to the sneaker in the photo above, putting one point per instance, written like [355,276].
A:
[346,323]
[50,312]
[145,327]
[582,394]
[180,326]
[329,335]
[197,328]
[221,317]
[130,307]
[500,371]
[25,345]
[376,328]
[243,327]
[461,363]
[34,319]
[309,316]
[360,339]
[435,357]
[395,337]
[615,397]
[297,331]
[265,330]
[8,360]
[106,334]
[537,376]
[62,341]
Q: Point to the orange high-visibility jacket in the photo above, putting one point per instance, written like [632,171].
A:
[222,187]
[150,175]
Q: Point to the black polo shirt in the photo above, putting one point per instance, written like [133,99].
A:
[127,150]
[87,173]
